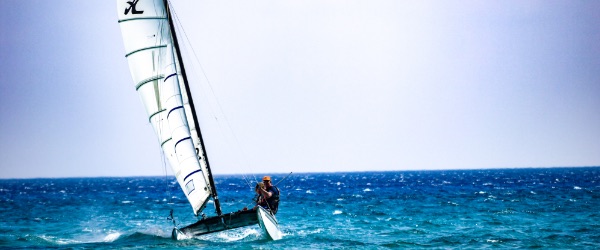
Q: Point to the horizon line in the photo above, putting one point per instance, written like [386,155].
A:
[319,172]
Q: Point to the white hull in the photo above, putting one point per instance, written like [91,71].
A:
[269,224]
[178,235]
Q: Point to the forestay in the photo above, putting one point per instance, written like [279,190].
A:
[156,74]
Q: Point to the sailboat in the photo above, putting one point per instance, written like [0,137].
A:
[156,65]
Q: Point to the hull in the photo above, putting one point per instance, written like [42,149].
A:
[216,224]
[269,224]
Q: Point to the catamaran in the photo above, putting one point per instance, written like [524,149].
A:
[156,65]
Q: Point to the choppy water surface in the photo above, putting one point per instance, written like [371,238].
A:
[507,208]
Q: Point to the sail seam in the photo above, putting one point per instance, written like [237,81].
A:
[151,79]
[142,18]
[147,48]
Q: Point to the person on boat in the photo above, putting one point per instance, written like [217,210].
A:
[260,200]
[271,194]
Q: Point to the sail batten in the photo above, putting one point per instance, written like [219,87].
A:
[155,113]
[163,143]
[187,138]
[146,48]
[141,18]
[151,79]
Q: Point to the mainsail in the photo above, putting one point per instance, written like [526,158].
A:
[159,77]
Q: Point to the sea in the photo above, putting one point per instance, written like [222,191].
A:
[549,208]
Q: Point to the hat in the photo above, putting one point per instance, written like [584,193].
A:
[267,178]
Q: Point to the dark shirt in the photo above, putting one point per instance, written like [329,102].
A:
[274,200]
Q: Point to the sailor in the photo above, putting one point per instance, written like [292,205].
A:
[271,194]
[260,200]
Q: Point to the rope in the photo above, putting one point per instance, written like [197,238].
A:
[283,178]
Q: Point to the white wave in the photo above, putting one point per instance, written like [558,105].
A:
[337,212]
[309,192]
[112,237]
[52,239]
[367,190]
[340,199]
[303,233]
[284,232]
[234,235]
[126,202]
[577,188]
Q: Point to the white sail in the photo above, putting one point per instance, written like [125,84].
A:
[156,75]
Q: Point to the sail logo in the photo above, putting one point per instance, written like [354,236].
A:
[131,8]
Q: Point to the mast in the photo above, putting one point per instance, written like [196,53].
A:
[213,188]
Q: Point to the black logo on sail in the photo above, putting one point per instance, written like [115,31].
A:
[132,8]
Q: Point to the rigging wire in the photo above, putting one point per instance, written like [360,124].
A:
[219,106]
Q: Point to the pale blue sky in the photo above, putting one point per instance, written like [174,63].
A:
[310,86]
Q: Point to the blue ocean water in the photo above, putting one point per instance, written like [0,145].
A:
[504,208]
